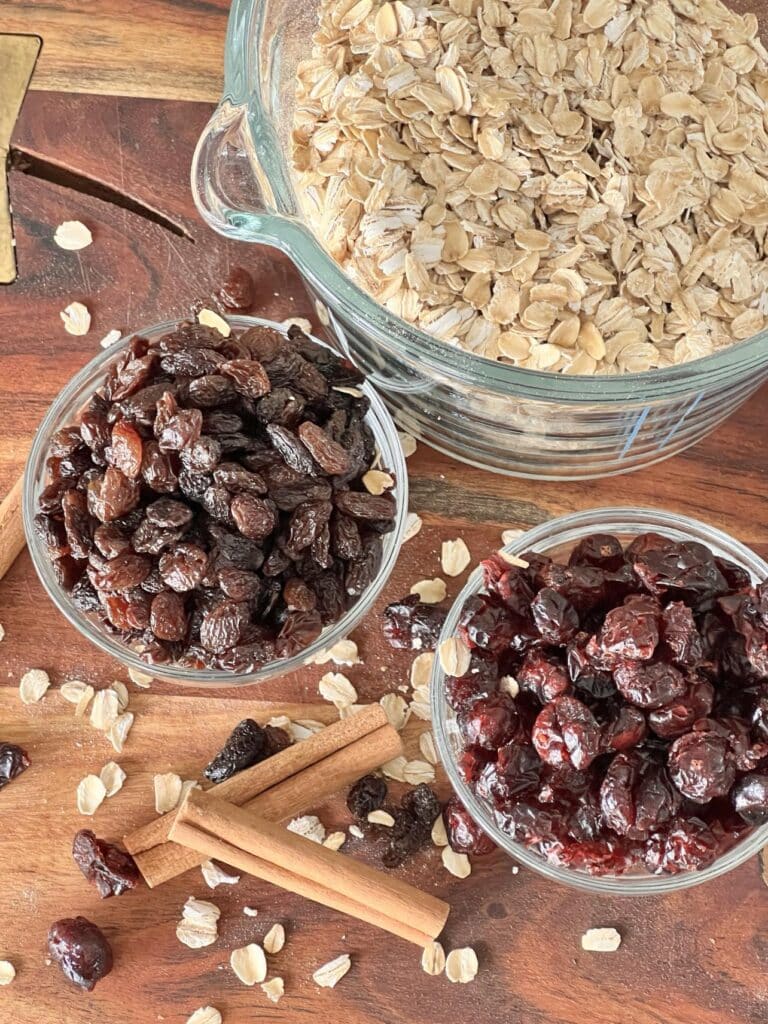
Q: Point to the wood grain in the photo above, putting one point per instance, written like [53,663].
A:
[696,958]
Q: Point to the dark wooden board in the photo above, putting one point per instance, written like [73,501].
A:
[695,958]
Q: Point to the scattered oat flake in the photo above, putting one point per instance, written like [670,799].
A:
[413,524]
[396,710]
[309,826]
[209,318]
[439,835]
[117,733]
[91,792]
[76,319]
[250,911]
[78,693]
[454,656]
[330,974]
[433,959]
[601,940]
[72,235]
[274,940]
[214,875]
[394,769]
[508,536]
[199,923]
[110,338]
[407,443]
[430,591]
[376,481]
[356,831]
[416,772]
[122,694]
[205,1015]
[167,791]
[33,685]
[337,689]
[461,965]
[508,684]
[335,840]
[456,863]
[113,777]
[249,963]
[105,710]
[2,632]
[514,560]
[421,668]
[381,817]
[454,557]
[298,321]
[7,972]
[301,730]
[141,679]
[274,989]
[427,747]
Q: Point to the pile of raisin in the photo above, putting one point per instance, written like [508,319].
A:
[247,744]
[208,505]
[638,735]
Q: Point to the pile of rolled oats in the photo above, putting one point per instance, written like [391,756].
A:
[576,185]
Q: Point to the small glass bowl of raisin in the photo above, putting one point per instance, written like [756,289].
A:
[194,503]
[611,729]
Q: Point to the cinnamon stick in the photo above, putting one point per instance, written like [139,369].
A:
[286,799]
[12,538]
[218,829]
[252,781]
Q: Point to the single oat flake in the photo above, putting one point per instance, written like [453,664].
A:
[396,710]
[213,875]
[33,686]
[208,318]
[336,688]
[274,989]
[167,791]
[430,591]
[91,793]
[7,972]
[508,536]
[520,563]
[407,443]
[415,772]
[375,481]
[455,557]
[427,747]
[105,710]
[342,653]
[121,690]
[413,524]
[72,235]
[456,863]
[601,940]
[141,679]
[250,911]
[330,974]
[356,832]
[249,964]
[309,826]
[108,340]
[439,835]
[76,319]
[117,733]
[274,940]
[199,924]
[205,1015]
[381,817]
[335,840]
[454,656]
[421,668]
[433,959]
[461,965]
[113,777]
[78,693]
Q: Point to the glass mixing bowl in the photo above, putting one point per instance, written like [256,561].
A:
[492,415]
[557,538]
[63,412]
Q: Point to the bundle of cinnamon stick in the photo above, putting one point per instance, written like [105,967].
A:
[235,822]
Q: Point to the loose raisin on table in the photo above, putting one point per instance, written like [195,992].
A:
[112,870]
[366,795]
[13,761]
[81,950]
[247,744]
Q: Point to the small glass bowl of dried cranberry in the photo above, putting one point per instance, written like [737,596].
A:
[196,502]
[607,723]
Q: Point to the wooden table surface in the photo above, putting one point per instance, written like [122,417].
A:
[119,163]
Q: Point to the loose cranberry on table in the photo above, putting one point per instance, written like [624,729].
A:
[638,739]
[112,870]
[81,950]
[13,761]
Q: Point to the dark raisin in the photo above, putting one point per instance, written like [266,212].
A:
[366,507]
[246,745]
[327,453]
[126,449]
[184,567]
[222,626]
[422,803]
[77,523]
[81,950]
[112,495]
[112,870]
[168,617]
[157,470]
[248,377]
[13,761]
[366,795]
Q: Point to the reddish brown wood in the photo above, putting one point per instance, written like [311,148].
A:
[697,958]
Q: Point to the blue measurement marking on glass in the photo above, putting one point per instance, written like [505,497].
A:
[635,431]
[679,423]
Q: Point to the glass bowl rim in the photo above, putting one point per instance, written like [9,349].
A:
[385,434]
[554,532]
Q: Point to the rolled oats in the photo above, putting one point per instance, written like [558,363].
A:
[274,989]
[601,940]
[433,959]
[427,747]
[208,318]
[413,524]
[199,923]
[205,1015]
[529,183]
[76,318]
[439,835]
[167,791]
[421,669]
[33,686]
[72,235]
[112,777]
[91,793]
[336,688]
[330,974]
[7,972]
[461,965]
[396,710]
[213,875]
[381,817]
[457,863]
[455,557]
[309,826]
[249,964]
[274,940]
[117,733]
[454,656]
[430,591]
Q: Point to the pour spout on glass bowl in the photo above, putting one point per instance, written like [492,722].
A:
[528,423]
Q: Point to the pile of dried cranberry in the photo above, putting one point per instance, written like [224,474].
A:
[638,736]
[208,505]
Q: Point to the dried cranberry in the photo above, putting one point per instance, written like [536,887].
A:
[13,761]
[686,845]
[629,632]
[488,722]
[750,798]
[112,870]
[677,717]
[464,834]
[565,732]
[81,949]
[601,550]
[412,625]
[556,619]
[543,675]
[701,765]
[649,684]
